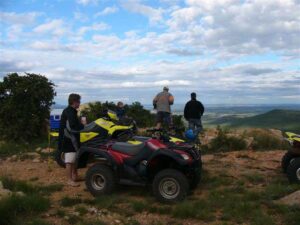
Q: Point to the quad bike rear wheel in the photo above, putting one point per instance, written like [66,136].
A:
[285,161]
[293,171]
[170,186]
[100,180]
[60,158]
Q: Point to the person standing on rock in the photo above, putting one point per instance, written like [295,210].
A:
[71,141]
[193,112]
[162,103]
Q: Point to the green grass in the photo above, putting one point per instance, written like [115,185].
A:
[81,210]
[200,209]
[27,188]
[38,222]
[68,202]
[14,207]
[13,148]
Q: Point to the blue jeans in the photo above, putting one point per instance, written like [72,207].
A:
[195,125]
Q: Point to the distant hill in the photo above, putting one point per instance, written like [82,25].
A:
[276,119]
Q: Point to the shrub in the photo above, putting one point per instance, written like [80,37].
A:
[142,116]
[223,142]
[264,140]
[25,104]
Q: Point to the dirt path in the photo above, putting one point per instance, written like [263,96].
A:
[234,165]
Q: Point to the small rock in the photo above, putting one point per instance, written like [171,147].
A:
[32,154]
[76,213]
[4,193]
[36,160]
[20,193]
[92,210]
[47,150]
[14,158]
[66,217]
[38,149]
[117,221]
[249,142]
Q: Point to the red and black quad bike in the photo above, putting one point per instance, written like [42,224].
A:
[291,160]
[172,172]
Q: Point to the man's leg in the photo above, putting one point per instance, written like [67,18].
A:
[191,124]
[159,118]
[70,166]
[199,127]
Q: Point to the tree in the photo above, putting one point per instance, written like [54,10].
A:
[25,103]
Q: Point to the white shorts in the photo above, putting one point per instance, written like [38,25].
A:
[70,157]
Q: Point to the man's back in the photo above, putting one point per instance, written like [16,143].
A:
[162,101]
[193,110]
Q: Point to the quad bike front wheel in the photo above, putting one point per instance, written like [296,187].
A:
[60,158]
[100,180]
[293,171]
[285,161]
[170,186]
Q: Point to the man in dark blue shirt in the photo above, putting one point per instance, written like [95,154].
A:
[193,112]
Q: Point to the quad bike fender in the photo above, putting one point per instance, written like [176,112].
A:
[168,154]
[98,155]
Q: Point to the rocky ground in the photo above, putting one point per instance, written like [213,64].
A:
[257,174]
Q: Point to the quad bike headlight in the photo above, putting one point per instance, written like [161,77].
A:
[185,156]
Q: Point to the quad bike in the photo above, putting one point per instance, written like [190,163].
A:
[100,130]
[291,160]
[172,172]
[110,128]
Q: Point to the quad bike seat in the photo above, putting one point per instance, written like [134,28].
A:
[127,148]
[89,127]
[141,138]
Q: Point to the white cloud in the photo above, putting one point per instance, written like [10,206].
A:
[18,18]
[87,2]
[93,27]
[155,15]
[107,11]
[55,27]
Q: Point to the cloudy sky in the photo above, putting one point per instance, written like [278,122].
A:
[228,51]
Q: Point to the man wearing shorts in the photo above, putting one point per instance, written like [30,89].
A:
[162,103]
[70,144]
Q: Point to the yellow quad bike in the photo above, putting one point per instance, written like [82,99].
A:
[290,162]
[100,131]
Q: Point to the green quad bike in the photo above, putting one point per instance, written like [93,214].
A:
[290,162]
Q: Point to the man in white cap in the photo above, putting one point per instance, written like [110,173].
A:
[162,103]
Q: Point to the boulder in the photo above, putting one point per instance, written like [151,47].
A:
[291,199]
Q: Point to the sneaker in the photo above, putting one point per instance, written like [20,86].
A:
[73,184]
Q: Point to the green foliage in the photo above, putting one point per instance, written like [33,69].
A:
[8,148]
[287,120]
[142,116]
[25,104]
[264,140]
[223,142]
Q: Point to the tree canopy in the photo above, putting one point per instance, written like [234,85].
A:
[25,103]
